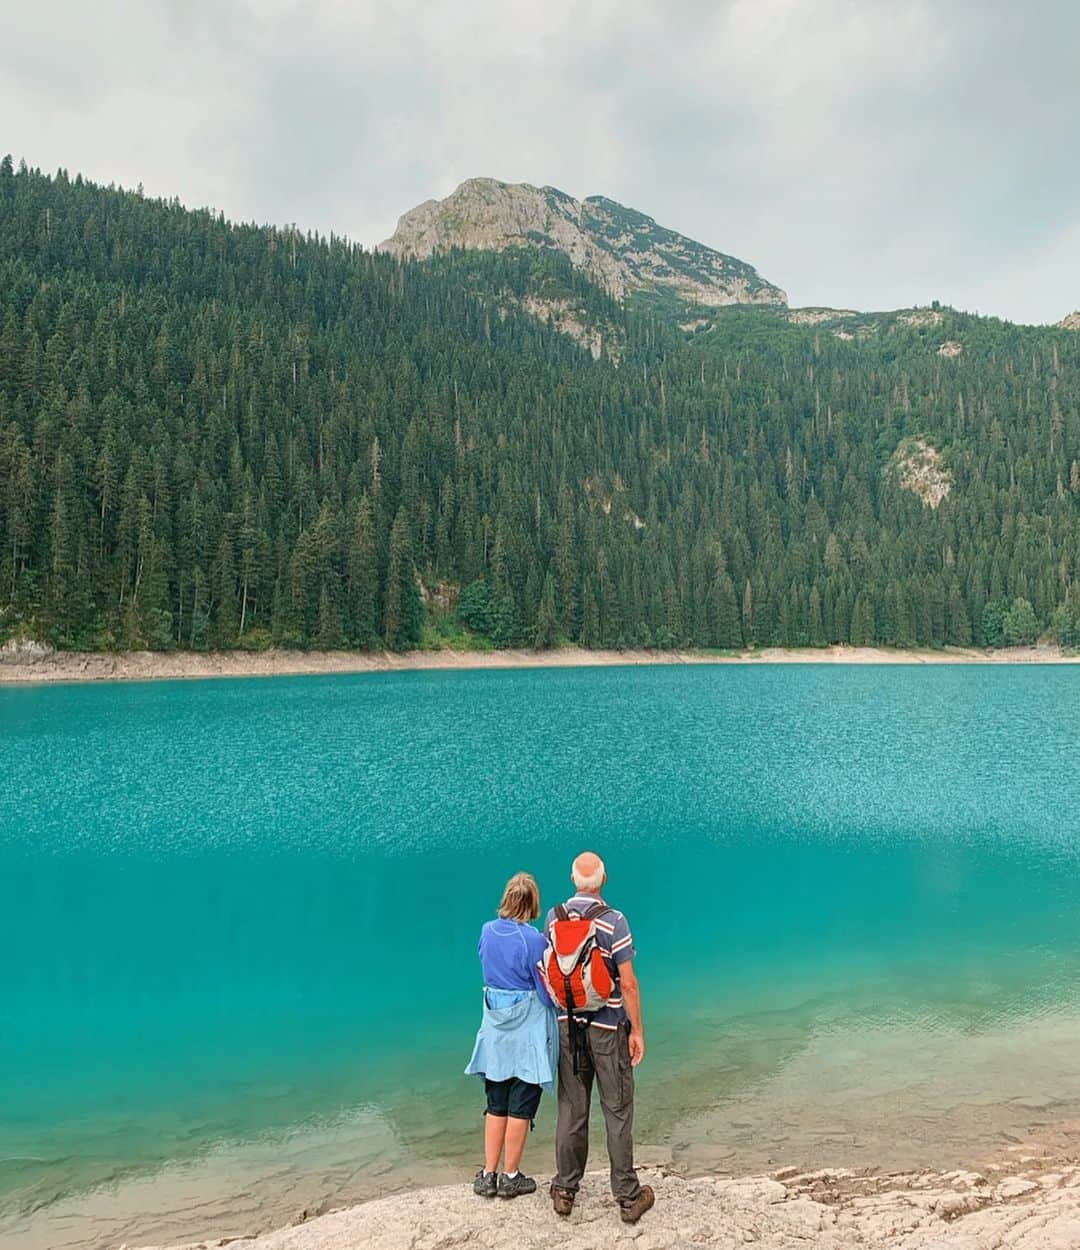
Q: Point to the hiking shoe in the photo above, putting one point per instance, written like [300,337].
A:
[515,1186]
[562,1200]
[631,1212]
[486,1184]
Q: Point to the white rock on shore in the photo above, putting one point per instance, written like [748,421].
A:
[25,651]
[816,1211]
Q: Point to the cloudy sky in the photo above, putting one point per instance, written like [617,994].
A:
[862,153]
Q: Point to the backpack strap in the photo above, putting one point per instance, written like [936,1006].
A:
[560,911]
[597,909]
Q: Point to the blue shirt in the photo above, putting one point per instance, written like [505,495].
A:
[616,946]
[509,954]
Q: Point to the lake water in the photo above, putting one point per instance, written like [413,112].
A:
[238,922]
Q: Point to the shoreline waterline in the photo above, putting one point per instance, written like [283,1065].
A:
[96,666]
[1025,1197]
[258,1196]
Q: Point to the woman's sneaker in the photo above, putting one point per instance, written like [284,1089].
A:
[515,1186]
[486,1184]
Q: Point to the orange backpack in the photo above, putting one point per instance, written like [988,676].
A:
[573,968]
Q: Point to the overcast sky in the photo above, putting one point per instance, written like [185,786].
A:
[860,153]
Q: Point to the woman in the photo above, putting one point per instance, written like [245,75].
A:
[516,1049]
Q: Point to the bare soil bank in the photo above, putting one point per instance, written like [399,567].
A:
[19,666]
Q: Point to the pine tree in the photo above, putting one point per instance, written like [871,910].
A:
[726,630]
[402,614]
[546,617]
[363,577]
[1020,624]
[330,634]
[957,622]
[748,614]
[863,628]
[590,617]
[816,626]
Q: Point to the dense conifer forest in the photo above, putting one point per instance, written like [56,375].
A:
[237,436]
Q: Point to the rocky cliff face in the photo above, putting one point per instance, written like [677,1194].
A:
[620,249]
[1071,322]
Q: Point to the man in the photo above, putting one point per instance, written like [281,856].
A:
[612,1045]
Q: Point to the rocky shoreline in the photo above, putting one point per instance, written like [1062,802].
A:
[30,662]
[1026,1201]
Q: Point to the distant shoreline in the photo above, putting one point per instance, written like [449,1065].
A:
[82,666]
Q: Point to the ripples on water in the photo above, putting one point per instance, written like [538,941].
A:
[854,892]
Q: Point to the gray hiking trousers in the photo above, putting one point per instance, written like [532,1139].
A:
[605,1058]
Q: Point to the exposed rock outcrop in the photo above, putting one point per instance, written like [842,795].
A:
[919,468]
[919,317]
[620,249]
[1071,322]
[816,316]
[832,1210]
[950,349]
[25,651]
[561,314]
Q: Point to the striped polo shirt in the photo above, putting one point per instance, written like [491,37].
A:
[616,946]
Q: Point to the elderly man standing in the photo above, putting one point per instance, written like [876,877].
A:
[608,1045]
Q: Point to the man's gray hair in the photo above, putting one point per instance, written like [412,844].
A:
[593,880]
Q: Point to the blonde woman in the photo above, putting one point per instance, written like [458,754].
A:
[516,1051]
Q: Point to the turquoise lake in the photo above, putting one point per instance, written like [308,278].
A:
[238,922]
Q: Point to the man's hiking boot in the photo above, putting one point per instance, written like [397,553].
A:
[486,1184]
[515,1186]
[562,1200]
[631,1212]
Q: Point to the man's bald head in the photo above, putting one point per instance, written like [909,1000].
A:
[587,872]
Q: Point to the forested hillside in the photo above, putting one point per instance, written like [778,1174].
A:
[220,436]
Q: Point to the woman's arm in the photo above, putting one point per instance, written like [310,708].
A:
[541,988]
[537,947]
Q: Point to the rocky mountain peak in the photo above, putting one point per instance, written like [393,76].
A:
[620,249]
[1071,322]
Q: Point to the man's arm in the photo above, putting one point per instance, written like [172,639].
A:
[632,1002]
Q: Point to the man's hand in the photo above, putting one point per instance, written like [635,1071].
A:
[637,1047]
[632,998]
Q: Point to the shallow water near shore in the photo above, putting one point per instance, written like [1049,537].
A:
[240,917]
